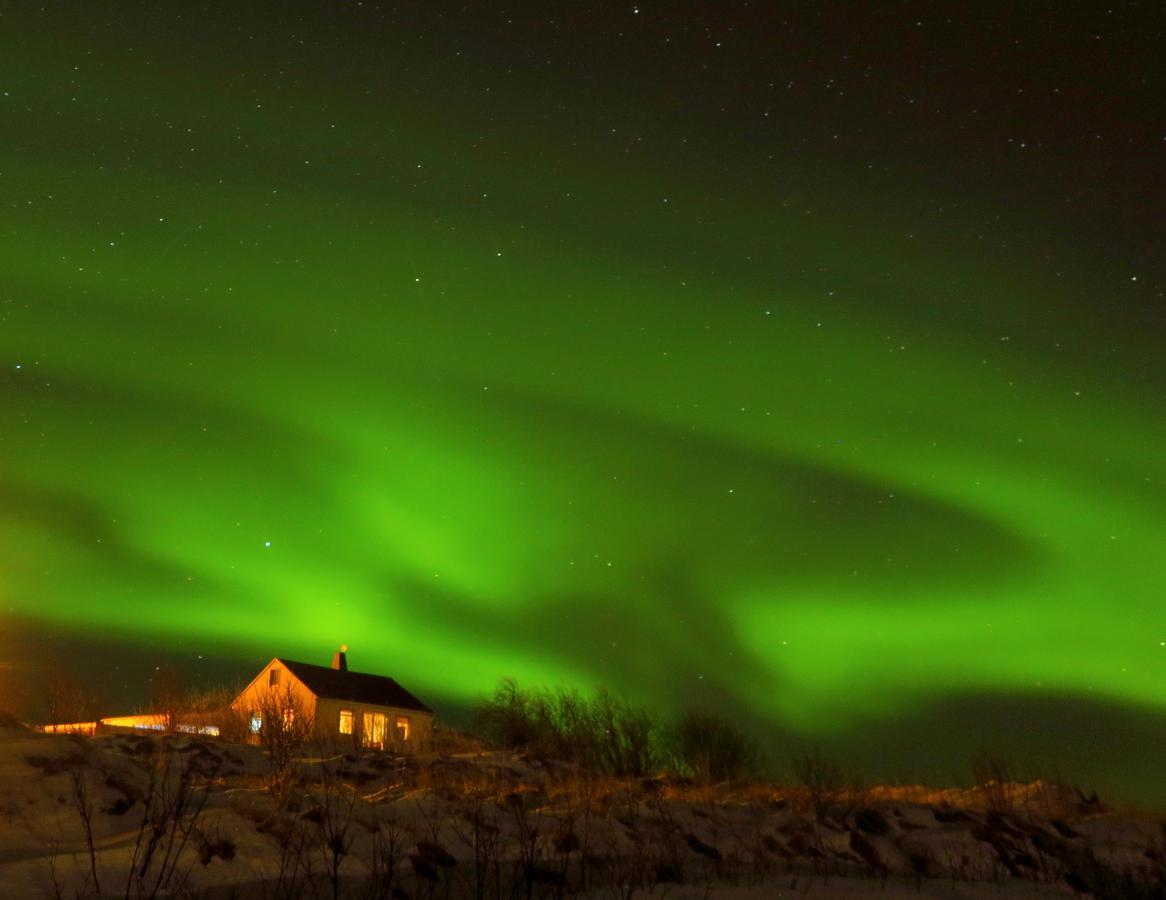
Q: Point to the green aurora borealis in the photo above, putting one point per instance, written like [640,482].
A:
[343,330]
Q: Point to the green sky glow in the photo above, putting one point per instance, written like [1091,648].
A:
[283,368]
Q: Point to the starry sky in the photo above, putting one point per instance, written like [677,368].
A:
[798,359]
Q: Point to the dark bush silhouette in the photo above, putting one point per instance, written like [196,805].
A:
[712,748]
[602,733]
[822,779]
[70,701]
[994,777]
[169,697]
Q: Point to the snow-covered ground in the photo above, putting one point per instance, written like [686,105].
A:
[196,817]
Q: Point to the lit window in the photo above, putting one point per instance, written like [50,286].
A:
[256,722]
[402,728]
[273,678]
[346,721]
[372,730]
[289,717]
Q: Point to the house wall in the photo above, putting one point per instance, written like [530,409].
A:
[420,724]
[260,695]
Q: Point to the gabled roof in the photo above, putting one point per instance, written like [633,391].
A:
[357,687]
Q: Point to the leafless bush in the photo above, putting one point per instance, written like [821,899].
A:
[821,777]
[212,699]
[995,778]
[293,871]
[55,887]
[601,733]
[507,718]
[670,864]
[713,749]
[81,795]
[386,847]
[234,725]
[285,725]
[589,805]
[14,696]
[447,741]
[476,825]
[629,737]
[620,872]
[70,701]
[532,843]
[330,827]
[169,696]
[178,785]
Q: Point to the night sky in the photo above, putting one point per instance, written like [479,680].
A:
[805,360]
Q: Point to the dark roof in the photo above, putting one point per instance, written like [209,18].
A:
[355,686]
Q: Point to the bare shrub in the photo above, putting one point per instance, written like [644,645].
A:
[384,856]
[329,832]
[713,749]
[212,699]
[294,869]
[70,701]
[629,737]
[601,733]
[80,793]
[532,840]
[178,785]
[505,718]
[994,778]
[476,825]
[14,696]
[448,741]
[178,782]
[821,777]
[209,705]
[285,725]
[169,696]
[234,725]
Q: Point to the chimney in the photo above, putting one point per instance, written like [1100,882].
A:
[340,659]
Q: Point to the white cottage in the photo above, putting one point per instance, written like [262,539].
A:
[371,710]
